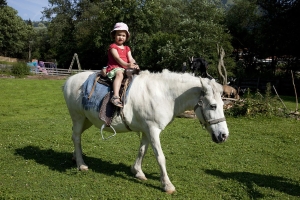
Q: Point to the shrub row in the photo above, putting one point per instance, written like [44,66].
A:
[258,104]
[15,69]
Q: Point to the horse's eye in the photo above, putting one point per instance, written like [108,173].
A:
[213,106]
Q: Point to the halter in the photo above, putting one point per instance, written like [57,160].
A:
[206,121]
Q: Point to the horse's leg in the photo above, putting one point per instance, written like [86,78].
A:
[160,157]
[79,125]
[136,168]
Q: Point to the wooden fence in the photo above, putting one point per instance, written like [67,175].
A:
[57,71]
[283,86]
[50,71]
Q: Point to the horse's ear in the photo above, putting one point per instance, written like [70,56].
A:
[217,86]
[204,84]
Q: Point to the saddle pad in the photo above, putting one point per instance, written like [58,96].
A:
[95,101]
[100,98]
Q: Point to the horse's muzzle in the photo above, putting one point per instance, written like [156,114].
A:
[222,137]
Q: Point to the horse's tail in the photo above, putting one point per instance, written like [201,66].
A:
[64,85]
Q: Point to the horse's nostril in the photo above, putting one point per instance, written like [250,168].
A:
[213,106]
[224,136]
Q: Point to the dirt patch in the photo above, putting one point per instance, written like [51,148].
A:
[188,114]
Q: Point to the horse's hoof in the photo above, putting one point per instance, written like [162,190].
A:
[171,191]
[138,175]
[83,168]
[142,178]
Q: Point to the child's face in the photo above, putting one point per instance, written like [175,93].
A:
[120,37]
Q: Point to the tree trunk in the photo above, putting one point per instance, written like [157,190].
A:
[221,66]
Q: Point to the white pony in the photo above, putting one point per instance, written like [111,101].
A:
[154,100]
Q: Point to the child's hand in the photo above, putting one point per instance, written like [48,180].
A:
[134,65]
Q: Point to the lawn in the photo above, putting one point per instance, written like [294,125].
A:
[260,160]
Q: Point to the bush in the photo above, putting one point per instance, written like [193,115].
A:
[20,70]
[5,69]
[257,104]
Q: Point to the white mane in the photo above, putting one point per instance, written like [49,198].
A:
[169,81]
[168,75]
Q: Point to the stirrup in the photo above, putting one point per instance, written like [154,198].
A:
[103,126]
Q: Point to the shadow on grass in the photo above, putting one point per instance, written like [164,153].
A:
[61,161]
[268,181]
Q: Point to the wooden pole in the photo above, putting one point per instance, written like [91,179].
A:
[295,91]
[75,57]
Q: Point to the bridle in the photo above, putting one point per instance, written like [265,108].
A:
[206,121]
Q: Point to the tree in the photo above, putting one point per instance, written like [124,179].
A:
[199,28]
[164,33]
[279,26]
[62,28]
[83,27]
[3,3]
[40,43]
[267,28]
[241,20]
[14,33]
[221,67]
[29,22]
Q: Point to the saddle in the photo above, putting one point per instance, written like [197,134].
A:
[108,109]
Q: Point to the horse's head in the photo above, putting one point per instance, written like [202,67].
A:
[209,110]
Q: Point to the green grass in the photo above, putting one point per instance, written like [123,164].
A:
[290,102]
[260,160]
